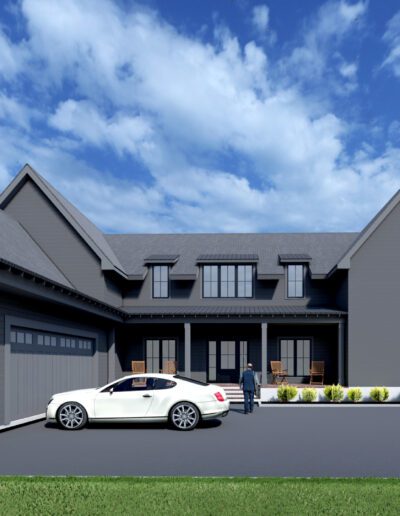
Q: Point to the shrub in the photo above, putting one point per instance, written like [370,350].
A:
[286,392]
[334,393]
[354,394]
[309,395]
[379,394]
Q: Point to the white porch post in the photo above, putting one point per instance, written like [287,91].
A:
[341,353]
[264,352]
[111,357]
[188,346]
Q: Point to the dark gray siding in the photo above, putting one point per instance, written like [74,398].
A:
[374,292]
[61,243]
[273,292]
[46,316]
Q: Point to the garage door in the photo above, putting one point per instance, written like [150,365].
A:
[42,363]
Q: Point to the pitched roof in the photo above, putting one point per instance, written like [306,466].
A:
[86,229]
[324,248]
[17,247]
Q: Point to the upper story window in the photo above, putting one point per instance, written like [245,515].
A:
[160,281]
[295,281]
[227,281]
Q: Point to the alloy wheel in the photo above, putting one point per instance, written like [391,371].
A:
[71,416]
[184,416]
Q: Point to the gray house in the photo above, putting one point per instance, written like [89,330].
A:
[77,306]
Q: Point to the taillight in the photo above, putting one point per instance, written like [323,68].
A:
[219,396]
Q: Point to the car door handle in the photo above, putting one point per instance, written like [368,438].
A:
[146,395]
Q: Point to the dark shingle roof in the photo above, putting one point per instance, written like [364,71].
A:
[324,248]
[161,258]
[294,258]
[230,310]
[227,258]
[17,247]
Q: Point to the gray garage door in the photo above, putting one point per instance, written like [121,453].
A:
[42,363]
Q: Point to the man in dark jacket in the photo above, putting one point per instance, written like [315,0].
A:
[248,383]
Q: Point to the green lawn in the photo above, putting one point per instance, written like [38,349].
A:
[203,496]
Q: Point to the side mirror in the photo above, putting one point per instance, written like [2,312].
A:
[111,390]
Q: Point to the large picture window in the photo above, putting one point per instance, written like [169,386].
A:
[295,281]
[160,281]
[296,356]
[227,281]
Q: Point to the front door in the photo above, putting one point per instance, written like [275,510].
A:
[227,361]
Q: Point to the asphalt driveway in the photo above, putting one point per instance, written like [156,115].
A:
[274,441]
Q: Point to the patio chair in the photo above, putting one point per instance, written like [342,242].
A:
[317,370]
[279,375]
[170,367]
[138,366]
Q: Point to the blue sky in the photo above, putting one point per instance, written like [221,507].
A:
[224,115]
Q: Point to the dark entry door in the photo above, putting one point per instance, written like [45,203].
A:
[228,361]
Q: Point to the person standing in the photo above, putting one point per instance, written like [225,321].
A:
[248,382]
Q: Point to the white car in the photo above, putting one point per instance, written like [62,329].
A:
[142,398]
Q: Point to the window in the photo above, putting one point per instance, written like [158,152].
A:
[227,281]
[160,281]
[134,384]
[161,384]
[245,281]
[158,352]
[210,281]
[295,356]
[295,281]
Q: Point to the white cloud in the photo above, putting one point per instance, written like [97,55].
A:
[392,39]
[130,83]
[260,18]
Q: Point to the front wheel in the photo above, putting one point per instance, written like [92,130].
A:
[72,416]
[184,416]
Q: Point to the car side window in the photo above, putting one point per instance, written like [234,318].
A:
[162,383]
[135,384]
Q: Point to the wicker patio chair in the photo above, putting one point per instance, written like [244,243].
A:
[170,367]
[279,375]
[138,366]
[317,370]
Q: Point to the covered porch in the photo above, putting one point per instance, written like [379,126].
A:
[217,349]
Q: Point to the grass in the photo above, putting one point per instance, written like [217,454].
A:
[197,496]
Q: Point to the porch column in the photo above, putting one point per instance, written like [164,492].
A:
[341,353]
[111,355]
[264,352]
[188,346]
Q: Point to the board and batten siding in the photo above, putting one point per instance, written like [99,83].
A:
[62,244]
[374,307]
[19,312]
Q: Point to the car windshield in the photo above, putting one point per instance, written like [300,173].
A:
[190,380]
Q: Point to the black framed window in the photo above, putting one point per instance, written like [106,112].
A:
[295,281]
[227,281]
[295,355]
[160,281]
[210,281]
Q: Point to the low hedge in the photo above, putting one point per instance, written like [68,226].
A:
[379,394]
[286,393]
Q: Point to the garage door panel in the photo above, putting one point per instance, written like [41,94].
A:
[43,363]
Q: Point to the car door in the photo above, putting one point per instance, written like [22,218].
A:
[165,394]
[130,398]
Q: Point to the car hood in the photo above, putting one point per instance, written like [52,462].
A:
[75,392]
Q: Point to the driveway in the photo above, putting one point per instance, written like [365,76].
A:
[274,441]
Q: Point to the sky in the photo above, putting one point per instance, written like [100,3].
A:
[232,116]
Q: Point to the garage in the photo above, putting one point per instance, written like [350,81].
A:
[42,359]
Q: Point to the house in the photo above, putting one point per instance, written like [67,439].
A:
[77,306]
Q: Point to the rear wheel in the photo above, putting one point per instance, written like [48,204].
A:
[72,416]
[184,416]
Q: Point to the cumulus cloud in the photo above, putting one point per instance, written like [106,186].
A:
[224,141]
[392,39]
[260,18]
